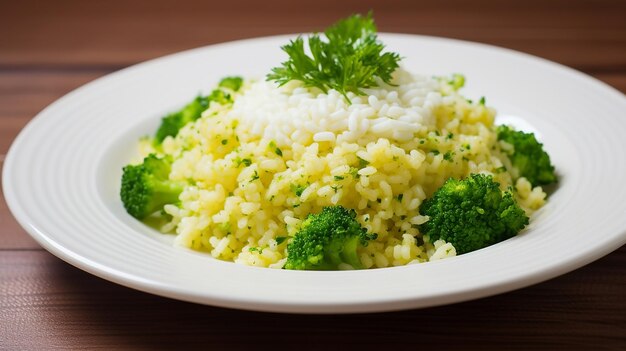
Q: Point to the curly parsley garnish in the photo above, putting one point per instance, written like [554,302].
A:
[347,60]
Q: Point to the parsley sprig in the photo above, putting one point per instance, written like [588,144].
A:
[348,59]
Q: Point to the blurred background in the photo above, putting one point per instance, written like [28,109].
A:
[585,34]
[48,48]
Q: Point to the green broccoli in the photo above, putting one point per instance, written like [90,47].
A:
[232,83]
[146,187]
[472,213]
[173,122]
[527,156]
[327,239]
[220,96]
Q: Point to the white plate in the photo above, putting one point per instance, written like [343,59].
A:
[61,181]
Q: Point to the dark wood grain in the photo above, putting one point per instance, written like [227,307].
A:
[50,48]
[70,307]
[589,35]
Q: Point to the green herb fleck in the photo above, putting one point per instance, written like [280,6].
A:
[298,189]
[362,163]
[275,149]
[448,156]
[354,172]
[245,161]
[457,81]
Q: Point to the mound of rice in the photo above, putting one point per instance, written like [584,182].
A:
[259,167]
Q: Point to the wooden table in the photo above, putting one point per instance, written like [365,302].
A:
[49,48]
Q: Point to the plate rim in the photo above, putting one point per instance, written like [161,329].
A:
[119,277]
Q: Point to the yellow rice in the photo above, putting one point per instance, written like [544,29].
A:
[249,187]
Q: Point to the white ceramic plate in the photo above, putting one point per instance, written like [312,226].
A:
[61,181]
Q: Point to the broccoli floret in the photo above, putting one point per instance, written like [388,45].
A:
[327,239]
[221,97]
[232,83]
[172,123]
[146,187]
[472,213]
[527,156]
